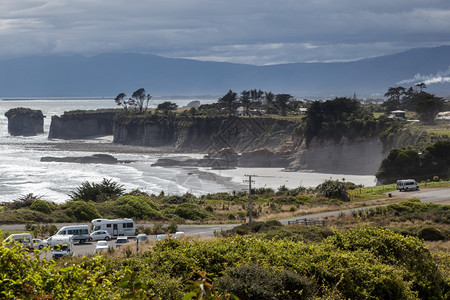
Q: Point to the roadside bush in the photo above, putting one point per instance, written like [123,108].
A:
[80,210]
[404,252]
[307,234]
[333,189]
[191,211]
[137,207]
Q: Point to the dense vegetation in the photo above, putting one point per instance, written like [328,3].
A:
[426,105]
[361,263]
[432,162]
[108,199]
[11,113]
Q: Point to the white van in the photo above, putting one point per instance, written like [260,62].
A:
[62,245]
[116,227]
[22,238]
[81,233]
[407,185]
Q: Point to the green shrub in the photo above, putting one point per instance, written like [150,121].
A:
[430,234]
[80,210]
[191,211]
[391,248]
[43,206]
[98,192]
[137,207]
[333,189]
[258,282]
[231,216]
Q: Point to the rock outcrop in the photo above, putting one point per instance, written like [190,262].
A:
[93,159]
[82,124]
[25,121]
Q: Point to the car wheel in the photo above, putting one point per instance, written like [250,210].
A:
[107,238]
[82,241]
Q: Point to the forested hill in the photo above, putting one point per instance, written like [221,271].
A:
[109,74]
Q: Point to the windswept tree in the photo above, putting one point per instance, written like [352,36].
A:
[121,101]
[98,192]
[269,98]
[166,107]
[245,101]
[393,96]
[420,86]
[281,101]
[256,96]
[229,101]
[140,99]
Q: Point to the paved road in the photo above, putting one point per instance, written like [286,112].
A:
[425,195]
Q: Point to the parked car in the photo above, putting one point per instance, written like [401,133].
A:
[141,237]
[100,235]
[101,246]
[39,244]
[178,234]
[121,240]
[160,236]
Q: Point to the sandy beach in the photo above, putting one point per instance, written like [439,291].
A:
[233,178]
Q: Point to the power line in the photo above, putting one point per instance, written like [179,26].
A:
[250,204]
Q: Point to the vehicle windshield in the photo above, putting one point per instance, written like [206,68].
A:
[102,243]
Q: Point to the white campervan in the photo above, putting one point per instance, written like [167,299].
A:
[407,185]
[116,227]
[62,245]
[81,233]
[23,239]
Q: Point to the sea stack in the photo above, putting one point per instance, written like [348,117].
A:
[25,121]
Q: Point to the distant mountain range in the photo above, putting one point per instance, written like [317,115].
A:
[106,75]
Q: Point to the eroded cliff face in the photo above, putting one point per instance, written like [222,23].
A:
[357,157]
[25,121]
[204,135]
[78,125]
[259,141]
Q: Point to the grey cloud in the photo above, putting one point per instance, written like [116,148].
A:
[252,31]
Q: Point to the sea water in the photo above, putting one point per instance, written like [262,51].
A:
[22,172]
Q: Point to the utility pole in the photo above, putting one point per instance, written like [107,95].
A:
[250,204]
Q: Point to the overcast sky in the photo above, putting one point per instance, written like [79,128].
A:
[243,31]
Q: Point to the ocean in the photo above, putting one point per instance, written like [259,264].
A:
[22,172]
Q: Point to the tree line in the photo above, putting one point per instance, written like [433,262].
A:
[415,99]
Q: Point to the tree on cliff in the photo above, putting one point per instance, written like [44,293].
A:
[121,101]
[282,100]
[394,95]
[139,100]
[428,106]
[269,97]
[229,101]
[166,107]
[245,101]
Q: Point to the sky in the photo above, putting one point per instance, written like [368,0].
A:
[259,32]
